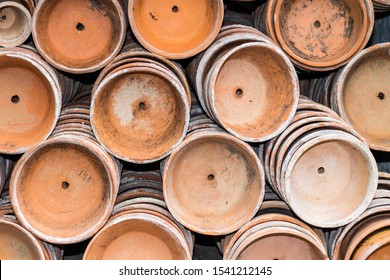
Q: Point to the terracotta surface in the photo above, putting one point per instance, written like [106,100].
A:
[200,189]
[318,35]
[16,243]
[63,190]
[361,95]
[79,36]
[140,113]
[15,23]
[136,236]
[175,30]
[243,96]
[334,178]
[374,247]
[30,100]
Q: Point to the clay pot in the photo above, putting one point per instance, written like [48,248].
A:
[274,235]
[199,187]
[64,189]
[360,95]
[15,22]
[319,149]
[167,27]
[241,95]
[328,162]
[318,36]
[367,236]
[31,100]
[138,235]
[16,243]
[79,36]
[140,126]
[232,80]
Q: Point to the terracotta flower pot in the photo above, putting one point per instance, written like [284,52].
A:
[64,189]
[137,236]
[16,243]
[79,36]
[31,100]
[319,176]
[140,108]
[242,96]
[318,35]
[200,189]
[274,235]
[361,95]
[15,22]
[232,80]
[175,30]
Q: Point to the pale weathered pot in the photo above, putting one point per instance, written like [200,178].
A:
[361,95]
[175,30]
[15,21]
[79,36]
[267,236]
[329,179]
[253,91]
[213,183]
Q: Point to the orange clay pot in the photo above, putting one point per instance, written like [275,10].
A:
[79,36]
[30,100]
[175,29]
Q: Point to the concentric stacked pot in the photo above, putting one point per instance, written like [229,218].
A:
[140,107]
[141,227]
[15,21]
[31,99]
[213,183]
[64,189]
[246,84]
[275,234]
[381,5]
[175,30]
[79,36]
[359,93]
[6,167]
[318,35]
[321,168]
[367,237]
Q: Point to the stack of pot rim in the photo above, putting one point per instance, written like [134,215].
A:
[167,28]
[64,189]
[367,237]
[19,244]
[321,168]
[213,183]
[275,234]
[140,107]
[381,6]
[317,35]
[79,36]
[15,21]
[246,84]
[6,166]
[140,214]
